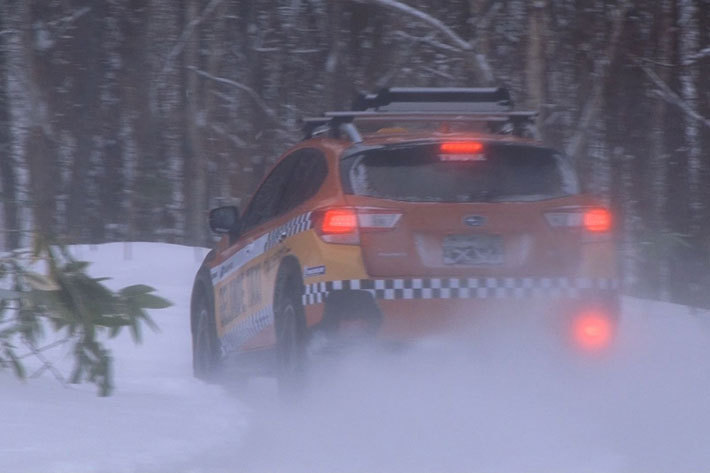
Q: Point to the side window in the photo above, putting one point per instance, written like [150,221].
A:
[296,179]
[307,175]
[264,204]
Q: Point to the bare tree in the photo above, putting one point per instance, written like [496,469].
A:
[9,216]
[127,119]
[196,178]
[602,76]
[536,59]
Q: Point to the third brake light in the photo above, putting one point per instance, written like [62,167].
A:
[461,151]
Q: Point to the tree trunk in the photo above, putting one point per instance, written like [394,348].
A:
[592,105]
[111,179]
[659,155]
[196,180]
[536,60]
[9,221]
[38,141]
[84,220]
[689,45]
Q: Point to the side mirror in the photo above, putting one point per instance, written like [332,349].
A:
[225,219]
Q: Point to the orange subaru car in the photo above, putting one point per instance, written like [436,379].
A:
[420,212]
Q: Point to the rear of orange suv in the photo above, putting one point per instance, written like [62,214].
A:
[443,217]
[455,227]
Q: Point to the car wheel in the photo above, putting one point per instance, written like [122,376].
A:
[206,353]
[290,343]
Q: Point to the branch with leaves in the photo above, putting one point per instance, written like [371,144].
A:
[79,309]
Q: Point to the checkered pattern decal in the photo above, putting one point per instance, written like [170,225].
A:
[292,227]
[461,288]
[248,328]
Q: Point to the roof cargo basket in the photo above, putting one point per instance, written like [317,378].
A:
[491,106]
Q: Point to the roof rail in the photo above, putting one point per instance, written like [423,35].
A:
[488,105]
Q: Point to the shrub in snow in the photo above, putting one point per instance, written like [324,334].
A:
[46,288]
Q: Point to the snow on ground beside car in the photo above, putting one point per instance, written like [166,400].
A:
[497,406]
[506,407]
[158,418]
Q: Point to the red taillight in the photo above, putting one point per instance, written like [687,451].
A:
[344,224]
[597,220]
[339,221]
[593,220]
[592,330]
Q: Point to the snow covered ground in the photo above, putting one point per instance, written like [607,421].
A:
[437,407]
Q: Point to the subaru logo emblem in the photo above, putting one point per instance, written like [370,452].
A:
[474,220]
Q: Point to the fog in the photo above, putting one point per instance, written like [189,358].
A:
[506,405]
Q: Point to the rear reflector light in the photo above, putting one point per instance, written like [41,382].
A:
[595,219]
[592,330]
[374,221]
[343,225]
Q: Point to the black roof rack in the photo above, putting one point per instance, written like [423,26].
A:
[492,106]
[402,99]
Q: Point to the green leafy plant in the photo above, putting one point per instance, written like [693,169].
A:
[46,288]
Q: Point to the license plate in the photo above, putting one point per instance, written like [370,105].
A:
[469,250]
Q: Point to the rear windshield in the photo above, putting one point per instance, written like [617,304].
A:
[499,172]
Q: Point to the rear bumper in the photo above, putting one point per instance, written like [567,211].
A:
[405,309]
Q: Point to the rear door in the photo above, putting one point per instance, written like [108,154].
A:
[244,292]
[241,304]
[467,208]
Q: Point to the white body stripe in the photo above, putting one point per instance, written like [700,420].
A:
[260,246]
[239,259]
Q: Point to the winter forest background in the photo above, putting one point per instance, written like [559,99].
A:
[126,120]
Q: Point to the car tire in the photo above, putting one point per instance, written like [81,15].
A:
[206,352]
[291,362]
